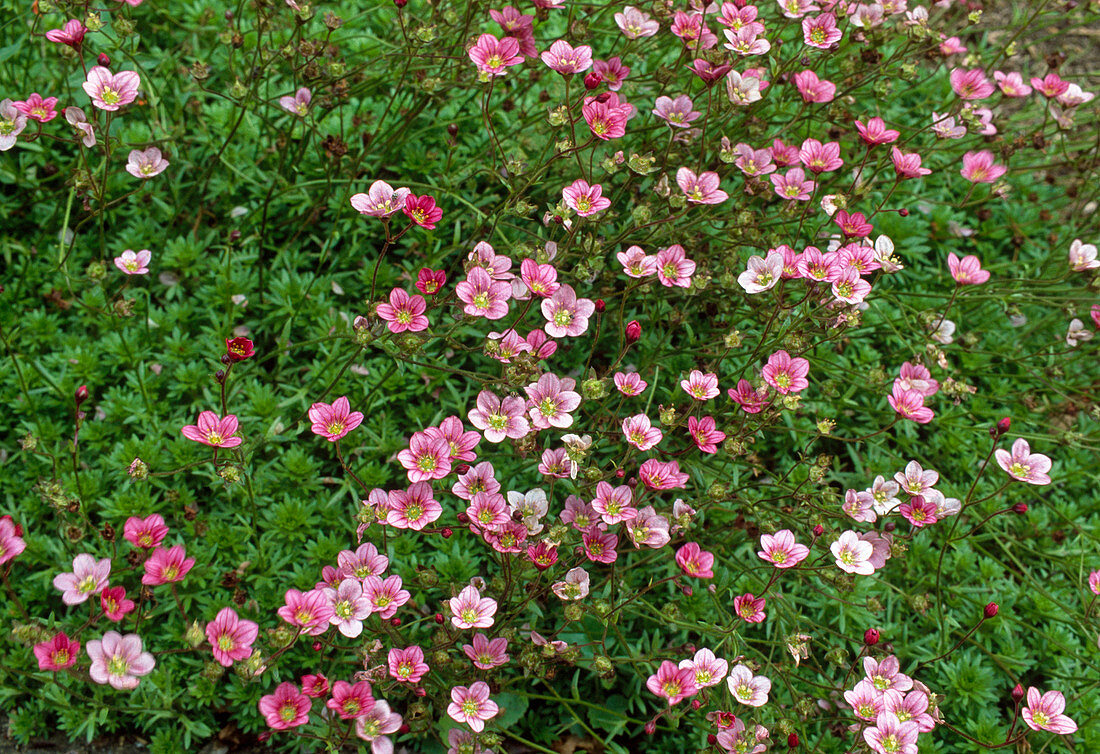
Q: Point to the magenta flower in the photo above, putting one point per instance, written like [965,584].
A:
[1050,86]
[381,201]
[499,419]
[461,443]
[145,533]
[707,71]
[793,185]
[114,603]
[429,281]
[821,31]
[781,549]
[298,104]
[414,508]
[970,84]
[635,24]
[230,637]
[519,27]
[979,167]
[786,374]
[403,312]
[814,89]
[910,404]
[662,475]
[702,188]
[566,60]
[315,686]
[852,554]
[629,383]
[145,164]
[37,108]
[919,512]
[674,269]
[11,540]
[89,577]
[695,561]
[365,561]
[612,72]
[705,433]
[166,566]
[485,653]
[640,433]
[472,705]
[599,546]
[701,386]
[852,225]
[335,420]
[891,736]
[310,611]
[493,56]
[1023,465]
[12,123]
[213,430]
[749,608]
[119,660]
[551,400]
[907,165]
[566,315]
[407,665]
[751,400]
[470,610]
[351,700]
[385,595]
[72,34]
[134,263]
[747,688]
[614,503]
[672,683]
[876,132]
[584,199]
[421,210]
[58,653]
[820,158]
[484,296]
[540,279]
[110,91]
[968,270]
[286,708]
[606,116]
[678,113]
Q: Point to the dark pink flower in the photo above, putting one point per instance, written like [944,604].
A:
[213,430]
[114,603]
[167,566]
[821,31]
[422,211]
[58,653]
[672,683]
[970,84]
[286,708]
[694,561]
[37,108]
[876,132]
[814,89]
[72,34]
[230,637]
[403,312]
[335,420]
[979,167]
[493,56]
[968,270]
[907,165]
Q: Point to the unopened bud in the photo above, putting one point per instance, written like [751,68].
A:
[1017,693]
[447,532]
[592,80]
[871,637]
[103,60]
[395,621]
[1000,427]
[650,728]
[439,618]
[903,212]
[633,331]
[601,305]
[792,741]
[1020,508]
[819,530]
[991,610]
[81,394]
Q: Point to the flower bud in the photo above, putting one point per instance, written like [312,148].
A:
[1000,427]
[81,394]
[819,530]
[991,610]
[447,532]
[195,635]
[712,739]
[633,331]
[400,3]
[903,212]
[696,704]
[601,305]
[1017,693]
[1020,508]
[103,60]
[650,728]
[439,618]
[592,80]
[792,741]
[871,637]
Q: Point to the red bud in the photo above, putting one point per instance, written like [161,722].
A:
[81,394]
[903,212]
[592,80]
[712,739]
[819,530]
[871,637]
[1017,693]
[316,646]
[103,60]
[792,741]
[991,610]
[1020,508]
[633,331]
[447,532]
[600,305]
[439,618]
[650,728]
[1000,427]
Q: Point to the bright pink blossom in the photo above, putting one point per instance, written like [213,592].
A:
[421,210]
[814,89]
[333,421]
[72,34]
[38,108]
[970,84]
[781,549]
[230,637]
[1011,84]
[407,665]
[750,608]
[979,167]
[672,683]
[493,56]
[310,611]
[567,60]
[786,374]
[472,705]
[695,561]
[907,165]
[166,566]
[820,158]
[351,700]
[662,475]
[702,188]
[705,433]
[876,132]
[1050,86]
[58,653]
[134,263]
[114,603]
[910,405]
[470,610]
[821,31]
[566,315]
[551,400]
[286,708]
[966,271]
[403,312]
[674,269]
[486,653]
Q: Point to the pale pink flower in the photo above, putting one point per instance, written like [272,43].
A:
[701,386]
[886,674]
[1011,84]
[230,637]
[859,506]
[566,315]
[635,24]
[907,165]
[751,400]
[487,654]
[11,541]
[487,511]
[979,167]
[672,683]
[404,313]
[166,566]
[753,161]
[385,595]
[648,528]
[884,494]
[472,705]
[551,400]
[970,84]
[1082,256]
[612,72]
[606,117]
[891,736]
[110,91]
[12,123]
[745,42]
[363,562]
[119,660]
[470,610]
[309,611]
[614,503]
[629,383]
[952,46]
[781,549]
[968,270]
[493,56]
[793,185]
[286,708]
[910,405]
[460,441]
[705,433]
[298,103]
[852,554]
[743,89]
[915,479]
[708,669]
[566,60]
[1077,332]
[747,688]
[381,200]
[674,269]
[1074,95]
[78,120]
[58,653]
[865,700]
[146,164]
[944,127]
[407,665]
[909,707]
[762,274]
[540,279]
[89,577]
[702,188]
[677,113]
[814,89]
[639,432]
[820,158]
[821,31]
[690,28]
[333,421]
[134,263]
[1023,465]
[636,263]
[499,419]
[414,508]
[584,199]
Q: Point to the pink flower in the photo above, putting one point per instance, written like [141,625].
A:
[297,104]
[566,315]
[967,271]
[1050,86]
[381,200]
[612,72]
[648,528]
[12,123]
[472,705]
[37,108]
[753,161]
[230,637]
[72,34]
[640,433]
[820,158]
[1011,84]
[917,377]
[1044,712]
[414,508]
[852,225]
[793,185]
[674,269]
[629,383]
[110,91]
[694,561]
[146,164]
[119,660]
[606,118]
[519,27]
[566,60]
[761,274]
[350,701]
[335,420]
[702,188]
[58,653]
[421,210]
[1082,256]
[635,24]
[11,540]
[166,566]
[677,113]
[89,577]
[403,312]
[910,404]
[979,167]
[876,132]
[374,726]
[690,28]
[499,419]
[286,708]
[1023,465]
[636,263]
[662,475]
[700,386]
[742,89]
[315,686]
[492,56]
[484,296]
[672,683]
[428,281]
[785,374]
[385,595]
[349,607]
[707,71]
[907,165]
[599,546]
[853,554]
[970,84]
[919,512]
[132,263]
[574,587]
[583,199]
[540,279]
[426,458]
[461,443]
[114,603]
[781,549]
[865,700]
[708,669]
[747,688]
[470,610]
[309,611]
[551,400]
[749,608]
[821,31]
[486,654]
[407,665]
[891,736]
[814,89]
[145,533]
[705,433]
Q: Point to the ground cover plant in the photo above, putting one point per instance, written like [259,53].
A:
[550,377]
